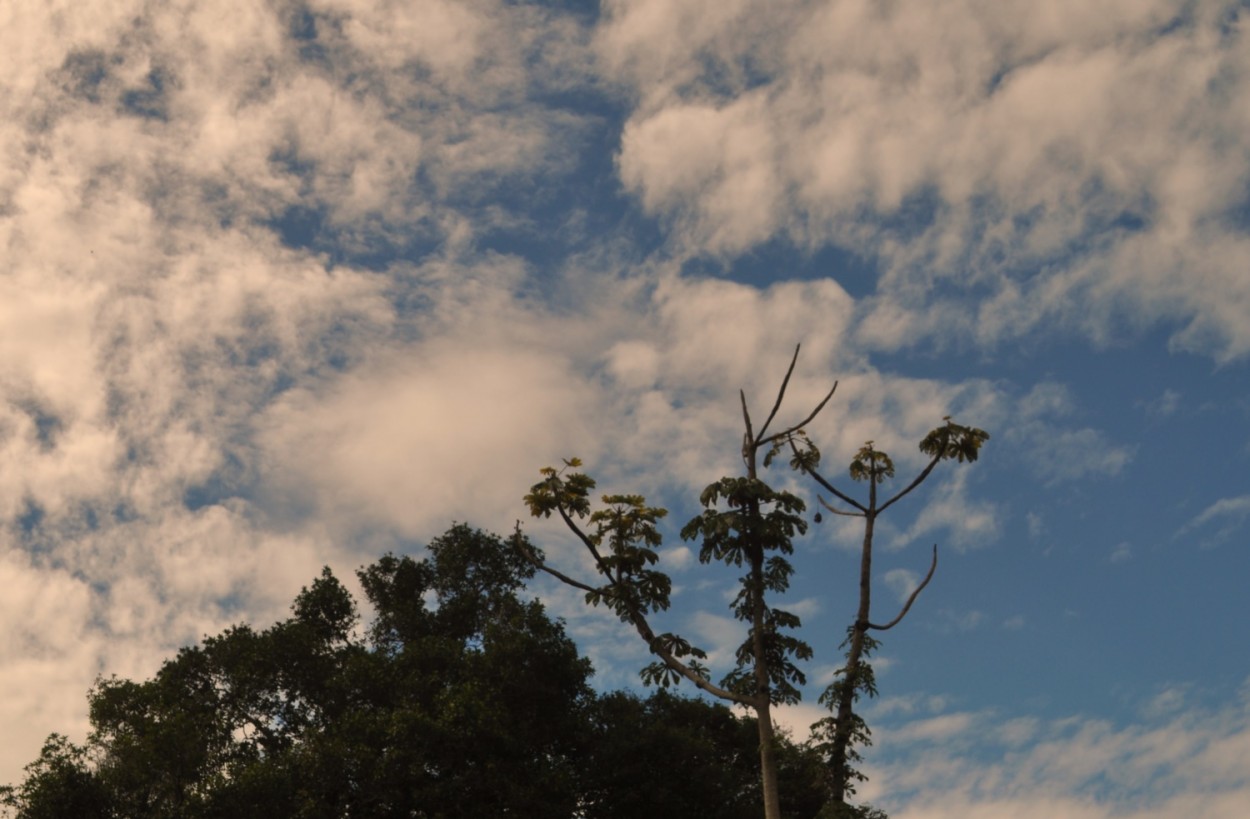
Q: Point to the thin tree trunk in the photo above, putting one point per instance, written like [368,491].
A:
[763,708]
[846,700]
[768,761]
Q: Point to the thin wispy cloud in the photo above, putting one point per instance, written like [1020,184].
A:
[1175,762]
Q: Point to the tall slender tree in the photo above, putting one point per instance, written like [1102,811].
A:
[845,729]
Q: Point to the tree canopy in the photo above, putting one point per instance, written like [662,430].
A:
[459,698]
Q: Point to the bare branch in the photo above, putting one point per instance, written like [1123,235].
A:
[644,630]
[810,416]
[836,511]
[588,543]
[919,479]
[564,578]
[781,393]
[756,441]
[789,431]
[748,439]
[912,598]
[528,553]
[820,479]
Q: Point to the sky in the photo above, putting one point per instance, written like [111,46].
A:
[293,283]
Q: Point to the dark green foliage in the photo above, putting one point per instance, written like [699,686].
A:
[756,529]
[849,684]
[669,757]
[59,784]
[622,538]
[459,699]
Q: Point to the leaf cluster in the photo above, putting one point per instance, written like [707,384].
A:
[621,536]
[747,523]
[954,441]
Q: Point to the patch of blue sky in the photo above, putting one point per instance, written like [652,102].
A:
[232,479]
[148,99]
[781,259]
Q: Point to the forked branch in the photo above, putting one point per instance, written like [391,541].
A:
[755,441]
[919,480]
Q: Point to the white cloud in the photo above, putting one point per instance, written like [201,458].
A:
[907,705]
[1179,761]
[1066,162]
[677,558]
[950,621]
[933,729]
[1061,452]
[965,522]
[453,430]
[902,582]
[1232,513]
[1167,702]
[712,155]
[719,636]
[1013,623]
[805,608]
[1036,525]
[1237,508]
[1165,405]
[798,719]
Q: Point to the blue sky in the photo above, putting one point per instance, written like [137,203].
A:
[290,284]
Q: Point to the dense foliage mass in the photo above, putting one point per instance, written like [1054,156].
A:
[459,699]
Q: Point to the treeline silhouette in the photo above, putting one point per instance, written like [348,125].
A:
[459,697]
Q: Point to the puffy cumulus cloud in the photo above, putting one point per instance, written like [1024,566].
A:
[710,155]
[662,49]
[719,636]
[674,371]
[48,655]
[677,558]
[150,306]
[1178,762]
[183,187]
[1008,165]
[797,719]
[722,332]
[367,115]
[675,375]
[453,430]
